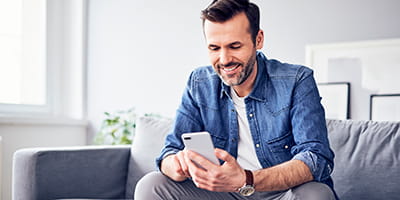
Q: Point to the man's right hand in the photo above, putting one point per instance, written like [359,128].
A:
[175,167]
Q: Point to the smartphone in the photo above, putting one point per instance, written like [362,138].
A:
[201,143]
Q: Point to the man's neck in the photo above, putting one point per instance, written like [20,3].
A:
[246,87]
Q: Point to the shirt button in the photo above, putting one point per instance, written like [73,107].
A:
[286,147]
[251,114]
[257,145]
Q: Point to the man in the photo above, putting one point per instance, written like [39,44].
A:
[264,117]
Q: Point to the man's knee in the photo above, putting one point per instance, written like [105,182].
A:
[313,191]
[150,179]
[148,184]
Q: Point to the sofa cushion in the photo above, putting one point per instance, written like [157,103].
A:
[70,172]
[147,144]
[367,159]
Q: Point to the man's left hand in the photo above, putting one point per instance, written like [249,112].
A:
[227,177]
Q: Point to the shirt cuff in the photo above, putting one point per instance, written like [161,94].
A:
[164,155]
[319,167]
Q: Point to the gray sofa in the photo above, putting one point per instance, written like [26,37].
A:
[366,164]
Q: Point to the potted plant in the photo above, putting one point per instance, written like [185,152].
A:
[117,128]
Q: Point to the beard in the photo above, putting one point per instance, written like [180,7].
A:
[240,77]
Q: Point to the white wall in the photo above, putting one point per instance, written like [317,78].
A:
[141,52]
[290,25]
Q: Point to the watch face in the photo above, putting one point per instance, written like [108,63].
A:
[247,190]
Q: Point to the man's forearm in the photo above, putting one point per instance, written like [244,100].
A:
[282,176]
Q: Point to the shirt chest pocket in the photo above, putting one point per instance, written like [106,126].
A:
[218,141]
[280,148]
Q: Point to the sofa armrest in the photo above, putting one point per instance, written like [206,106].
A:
[72,172]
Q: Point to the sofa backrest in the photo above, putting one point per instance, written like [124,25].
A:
[367,159]
[148,141]
[367,156]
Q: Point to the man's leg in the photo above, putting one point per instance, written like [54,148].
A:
[310,191]
[156,186]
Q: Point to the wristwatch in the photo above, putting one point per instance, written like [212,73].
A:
[248,187]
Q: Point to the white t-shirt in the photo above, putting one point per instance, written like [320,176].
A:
[247,157]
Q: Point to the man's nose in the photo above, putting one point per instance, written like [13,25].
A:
[225,57]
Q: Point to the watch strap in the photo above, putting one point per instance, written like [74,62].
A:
[249,177]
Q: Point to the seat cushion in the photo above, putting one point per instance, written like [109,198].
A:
[146,146]
[367,159]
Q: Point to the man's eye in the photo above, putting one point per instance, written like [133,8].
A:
[213,48]
[235,47]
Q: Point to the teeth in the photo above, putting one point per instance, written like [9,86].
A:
[231,69]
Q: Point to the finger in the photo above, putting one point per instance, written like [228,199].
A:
[212,186]
[224,155]
[200,160]
[198,177]
[171,167]
[183,164]
[198,172]
[179,168]
[175,164]
[192,165]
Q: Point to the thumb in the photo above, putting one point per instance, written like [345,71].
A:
[224,155]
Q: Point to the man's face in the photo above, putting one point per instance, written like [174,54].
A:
[231,49]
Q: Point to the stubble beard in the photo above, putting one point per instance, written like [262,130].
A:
[243,75]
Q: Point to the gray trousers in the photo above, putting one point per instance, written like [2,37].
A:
[156,186]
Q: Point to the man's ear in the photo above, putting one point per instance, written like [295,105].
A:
[260,39]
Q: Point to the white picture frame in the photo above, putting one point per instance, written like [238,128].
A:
[385,107]
[372,67]
[335,99]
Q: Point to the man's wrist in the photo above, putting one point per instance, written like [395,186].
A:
[165,159]
[248,188]
[244,179]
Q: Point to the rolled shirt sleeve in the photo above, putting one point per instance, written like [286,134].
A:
[319,167]
[309,128]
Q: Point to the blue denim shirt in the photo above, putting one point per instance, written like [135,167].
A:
[286,118]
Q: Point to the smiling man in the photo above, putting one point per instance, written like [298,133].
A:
[265,119]
[232,51]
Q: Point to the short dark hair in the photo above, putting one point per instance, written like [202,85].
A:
[223,10]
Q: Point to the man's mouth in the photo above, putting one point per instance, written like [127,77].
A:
[231,67]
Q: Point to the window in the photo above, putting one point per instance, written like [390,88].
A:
[42,48]
[22,51]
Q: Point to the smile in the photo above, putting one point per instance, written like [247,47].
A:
[231,68]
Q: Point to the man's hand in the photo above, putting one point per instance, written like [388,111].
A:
[220,178]
[174,167]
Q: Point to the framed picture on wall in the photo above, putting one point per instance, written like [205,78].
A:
[372,67]
[385,107]
[335,99]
